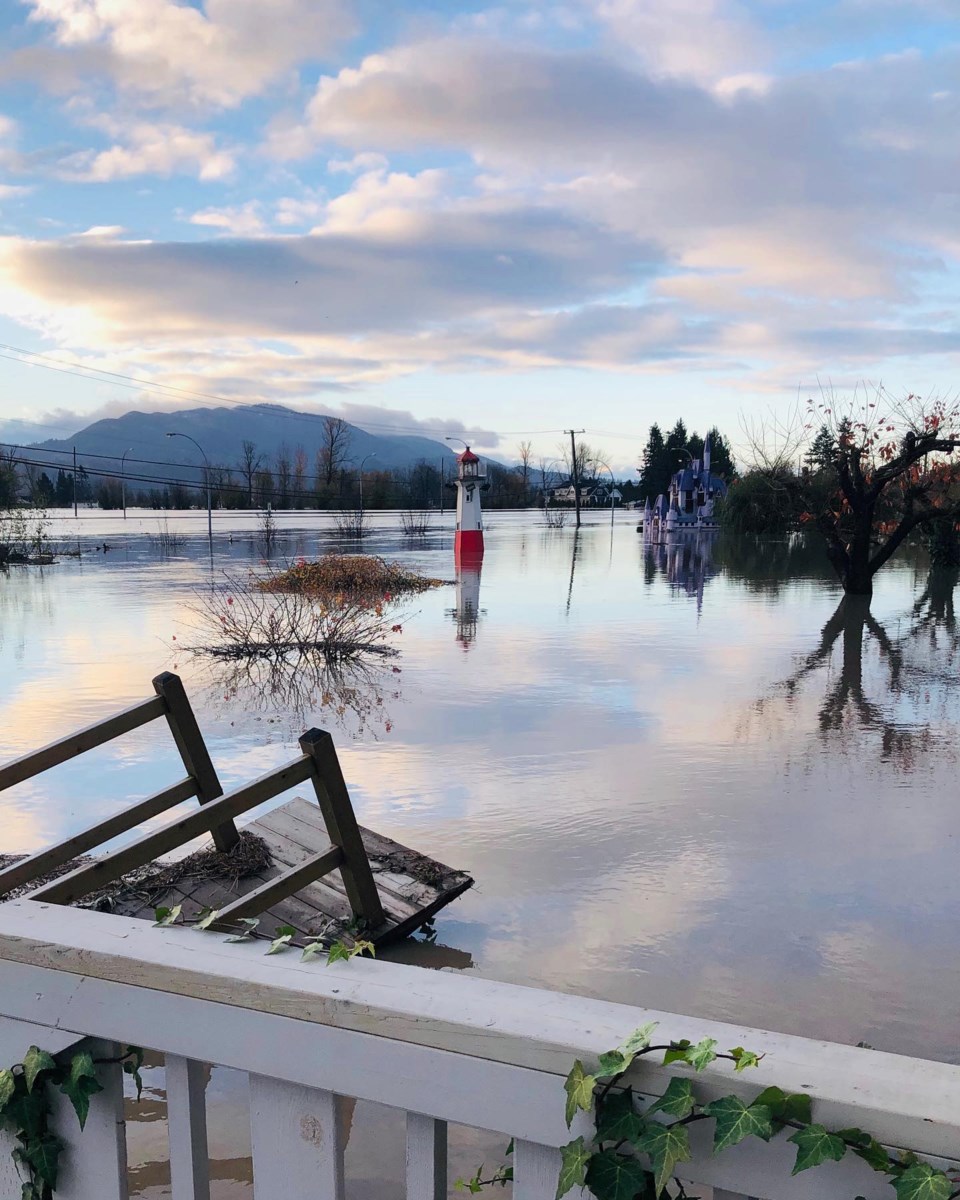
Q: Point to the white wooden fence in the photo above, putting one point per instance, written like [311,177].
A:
[442,1047]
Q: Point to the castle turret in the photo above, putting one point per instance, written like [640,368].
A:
[707,447]
[470,476]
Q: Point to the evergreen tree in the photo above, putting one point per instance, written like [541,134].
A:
[721,458]
[654,468]
[63,492]
[823,450]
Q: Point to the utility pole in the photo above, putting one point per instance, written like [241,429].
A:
[441,485]
[575,468]
[74,483]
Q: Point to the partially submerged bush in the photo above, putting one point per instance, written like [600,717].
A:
[233,622]
[361,575]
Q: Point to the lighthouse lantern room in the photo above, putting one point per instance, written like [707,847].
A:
[470,478]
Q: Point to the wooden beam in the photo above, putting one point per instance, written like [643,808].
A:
[193,750]
[152,845]
[44,861]
[78,743]
[275,890]
[341,823]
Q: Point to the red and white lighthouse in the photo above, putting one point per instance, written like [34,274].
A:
[468,542]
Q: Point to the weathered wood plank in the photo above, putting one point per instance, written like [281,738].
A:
[341,823]
[78,743]
[95,1164]
[297,1141]
[152,845]
[280,888]
[39,864]
[187,1128]
[193,750]
[426,1158]
[903,1101]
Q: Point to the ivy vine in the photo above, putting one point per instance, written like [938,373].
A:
[637,1143]
[26,1109]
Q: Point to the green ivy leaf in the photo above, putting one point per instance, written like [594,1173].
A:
[815,1146]
[639,1039]
[579,1088]
[29,1191]
[43,1155]
[311,951]
[612,1176]
[167,916]
[922,1182]
[619,1120]
[702,1054]
[574,1157]
[80,1085]
[27,1112]
[339,952]
[744,1058]
[866,1147]
[8,1085]
[612,1062]
[35,1062]
[678,1100]
[667,1145]
[284,935]
[132,1062]
[785,1107]
[206,917]
[677,1052]
[249,925]
[736,1121]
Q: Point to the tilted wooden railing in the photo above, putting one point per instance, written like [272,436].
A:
[440,1046]
[317,763]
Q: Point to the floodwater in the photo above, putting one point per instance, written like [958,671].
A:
[680,776]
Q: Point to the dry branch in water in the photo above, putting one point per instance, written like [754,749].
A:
[363,575]
[232,622]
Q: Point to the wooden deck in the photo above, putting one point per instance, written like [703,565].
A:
[412,887]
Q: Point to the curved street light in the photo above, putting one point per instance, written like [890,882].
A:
[372,454]
[206,463]
[607,467]
[123,480]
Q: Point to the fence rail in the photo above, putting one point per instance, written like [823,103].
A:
[442,1047]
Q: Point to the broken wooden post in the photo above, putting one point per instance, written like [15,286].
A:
[196,758]
[341,823]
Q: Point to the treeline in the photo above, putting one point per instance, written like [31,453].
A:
[664,456]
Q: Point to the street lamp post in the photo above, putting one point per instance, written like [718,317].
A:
[612,485]
[123,480]
[362,461]
[206,463]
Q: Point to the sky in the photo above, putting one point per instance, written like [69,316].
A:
[503,219]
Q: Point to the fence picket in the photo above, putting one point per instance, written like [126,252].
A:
[187,1128]
[95,1166]
[298,1141]
[426,1158]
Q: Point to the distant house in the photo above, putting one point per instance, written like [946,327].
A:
[597,494]
[691,501]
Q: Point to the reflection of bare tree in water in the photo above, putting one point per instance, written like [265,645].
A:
[913,678]
[306,689]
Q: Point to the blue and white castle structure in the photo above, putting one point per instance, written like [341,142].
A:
[691,502]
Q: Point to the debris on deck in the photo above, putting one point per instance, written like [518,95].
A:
[306,864]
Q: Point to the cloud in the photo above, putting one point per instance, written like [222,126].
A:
[150,149]
[213,54]
[244,220]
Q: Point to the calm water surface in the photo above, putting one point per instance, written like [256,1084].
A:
[680,777]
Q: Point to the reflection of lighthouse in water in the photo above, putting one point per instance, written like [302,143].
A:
[467,611]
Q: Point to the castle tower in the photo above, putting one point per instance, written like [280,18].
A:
[468,542]
[707,447]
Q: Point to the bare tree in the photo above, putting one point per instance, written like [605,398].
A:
[250,464]
[333,448]
[525,452]
[283,476]
[299,477]
[891,473]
